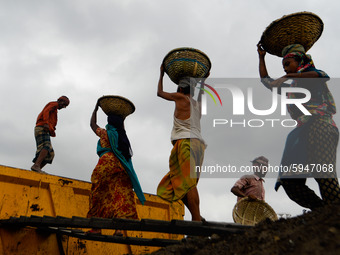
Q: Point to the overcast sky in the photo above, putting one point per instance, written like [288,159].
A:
[88,48]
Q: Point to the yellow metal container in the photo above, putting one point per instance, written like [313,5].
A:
[26,193]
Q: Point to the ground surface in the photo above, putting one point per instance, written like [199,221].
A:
[316,232]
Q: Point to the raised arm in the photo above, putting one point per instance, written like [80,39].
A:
[265,79]
[93,122]
[262,63]
[199,97]
[160,92]
[201,92]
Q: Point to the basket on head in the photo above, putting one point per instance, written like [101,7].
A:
[250,212]
[303,28]
[186,62]
[116,105]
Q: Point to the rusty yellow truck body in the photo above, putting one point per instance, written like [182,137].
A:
[26,193]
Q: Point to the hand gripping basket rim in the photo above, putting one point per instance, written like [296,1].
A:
[195,60]
[303,28]
[113,104]
[251,212]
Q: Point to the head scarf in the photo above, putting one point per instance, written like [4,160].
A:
[297,51]
[65,99]
[123,141]
[293,48]
[187,82]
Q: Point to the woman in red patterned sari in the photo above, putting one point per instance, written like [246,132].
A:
[112,191]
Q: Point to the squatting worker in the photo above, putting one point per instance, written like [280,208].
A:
[188,148]
[44,129]
[252,185]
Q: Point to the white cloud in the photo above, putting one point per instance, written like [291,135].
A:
[86,49]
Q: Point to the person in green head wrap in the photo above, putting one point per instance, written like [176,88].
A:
[310,149]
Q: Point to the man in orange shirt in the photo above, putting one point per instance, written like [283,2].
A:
[44,129]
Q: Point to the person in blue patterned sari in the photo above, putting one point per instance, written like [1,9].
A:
[310,149]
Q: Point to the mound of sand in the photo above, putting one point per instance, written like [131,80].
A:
[316,232]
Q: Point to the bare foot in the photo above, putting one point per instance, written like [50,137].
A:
[118,233]
[36,168]
[94,231]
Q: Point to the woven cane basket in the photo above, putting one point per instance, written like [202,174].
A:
[251,212]
[116,105]
[303,28]
[186,62]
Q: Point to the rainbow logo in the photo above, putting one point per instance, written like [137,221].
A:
[210,94]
